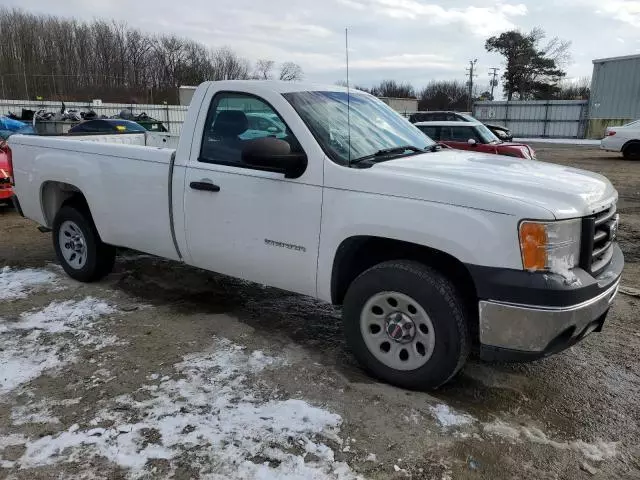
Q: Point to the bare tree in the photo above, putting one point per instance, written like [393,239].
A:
[263,69]
[58,58]
[291,72]
[227,65]
[391,88]
[444,95]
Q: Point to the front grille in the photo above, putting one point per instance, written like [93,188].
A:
[599,232]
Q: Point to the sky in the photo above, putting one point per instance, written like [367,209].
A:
[408,40]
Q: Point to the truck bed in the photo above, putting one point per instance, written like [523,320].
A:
[125,179]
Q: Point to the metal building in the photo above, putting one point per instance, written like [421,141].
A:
[615,93]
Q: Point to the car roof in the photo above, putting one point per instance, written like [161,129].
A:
[283,87]
[436,123]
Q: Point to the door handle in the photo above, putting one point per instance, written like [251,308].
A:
[204,186]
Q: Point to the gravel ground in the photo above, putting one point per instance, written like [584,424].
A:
[162,370]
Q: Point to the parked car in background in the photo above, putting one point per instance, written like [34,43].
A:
[503,133]
[6,189]
[624,139]
[473,136]
[107,125]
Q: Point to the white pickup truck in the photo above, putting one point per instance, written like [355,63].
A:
[429,251]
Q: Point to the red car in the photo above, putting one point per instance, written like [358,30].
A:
[6,190]
[473,136]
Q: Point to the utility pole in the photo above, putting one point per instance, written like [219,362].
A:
[494,79]
[472,66]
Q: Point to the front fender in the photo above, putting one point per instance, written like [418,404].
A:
[470,235]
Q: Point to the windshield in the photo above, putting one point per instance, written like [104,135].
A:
[486,134]
[374,126]
[467,118]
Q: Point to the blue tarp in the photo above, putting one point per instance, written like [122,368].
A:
[7,123]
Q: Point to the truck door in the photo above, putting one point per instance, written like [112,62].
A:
[246,222]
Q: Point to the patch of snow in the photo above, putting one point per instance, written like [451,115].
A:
[59,317]
[47,339]
[17,284]
[447,417]
[216,414]
[37,412]
[597,451]
[501,429]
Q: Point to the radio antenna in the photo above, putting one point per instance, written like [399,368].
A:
[346,47]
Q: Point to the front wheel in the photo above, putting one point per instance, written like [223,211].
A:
[407,325]
[78,246]
[632,151]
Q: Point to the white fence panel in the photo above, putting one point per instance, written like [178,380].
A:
[172,116]
[539,118]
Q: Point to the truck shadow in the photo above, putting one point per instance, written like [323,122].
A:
[481,389]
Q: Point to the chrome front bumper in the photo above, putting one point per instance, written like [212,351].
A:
[537,331]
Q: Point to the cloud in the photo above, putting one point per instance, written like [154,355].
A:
[405,61]
[626,11]
[481,21]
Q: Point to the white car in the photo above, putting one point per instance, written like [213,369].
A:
[429,251]
[625,139]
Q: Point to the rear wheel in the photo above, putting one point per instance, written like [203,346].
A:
[406,324]
[78,246]
[631,151]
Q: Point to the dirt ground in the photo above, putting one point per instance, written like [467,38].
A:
[164,371]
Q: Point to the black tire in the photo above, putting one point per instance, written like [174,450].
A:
[631,151]
[100,257]
[439,299]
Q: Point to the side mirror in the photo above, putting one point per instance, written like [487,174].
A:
[472,142]
[273,154]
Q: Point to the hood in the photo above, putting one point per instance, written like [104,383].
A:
[471,178]
[497,127]
[513,144]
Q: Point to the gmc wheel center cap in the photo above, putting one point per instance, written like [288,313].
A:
[400,328]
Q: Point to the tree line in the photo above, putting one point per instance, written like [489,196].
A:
[56,58]
[454,94]
[533,70]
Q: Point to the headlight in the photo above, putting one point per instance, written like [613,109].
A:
[552,246]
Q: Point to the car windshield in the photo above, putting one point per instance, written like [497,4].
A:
[356,127]
[486,134]
[467,118]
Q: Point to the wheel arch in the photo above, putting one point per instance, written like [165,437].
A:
[54,195]
[359,253]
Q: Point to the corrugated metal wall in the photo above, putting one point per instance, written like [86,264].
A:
[537,118]
[615,88]
[173,116]
[403,106]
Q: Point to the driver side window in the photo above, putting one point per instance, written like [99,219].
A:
[463,134]
[233,120]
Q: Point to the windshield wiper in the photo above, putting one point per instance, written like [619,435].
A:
[388,152]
